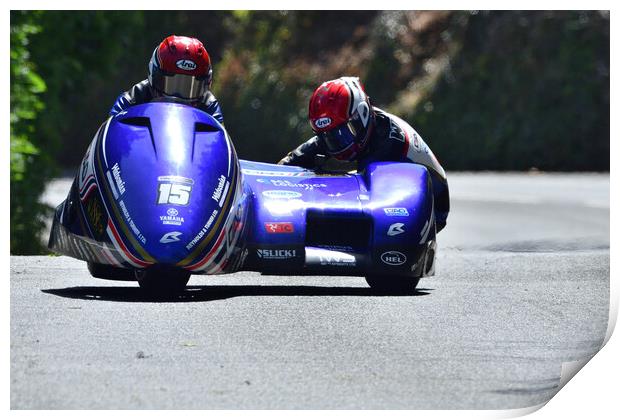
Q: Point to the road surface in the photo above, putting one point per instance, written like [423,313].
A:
[522,286]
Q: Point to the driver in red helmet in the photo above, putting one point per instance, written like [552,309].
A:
[180,69]
[349,128]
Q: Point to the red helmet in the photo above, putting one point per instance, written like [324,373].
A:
[340,113]
[181,67]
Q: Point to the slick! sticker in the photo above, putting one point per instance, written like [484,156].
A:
[279,227]
[276,254]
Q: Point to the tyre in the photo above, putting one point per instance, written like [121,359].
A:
[393,284]
[162,281]
[109,272]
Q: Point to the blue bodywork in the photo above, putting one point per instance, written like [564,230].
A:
[161,185]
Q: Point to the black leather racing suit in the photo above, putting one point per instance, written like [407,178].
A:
[392,139]
[143,92]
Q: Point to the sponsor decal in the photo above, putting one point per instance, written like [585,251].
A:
[203,231]
[396,229]
[393,258]
[276,254]
[279,208]
[396,211]
[337,259]
[256,172]
[173,189]
[97,218]
[345,248]
[396,133]
[172,218]
[187,65]
[131,223]
[281,194]
[170,237]
[279,227]
[217,194]
[329,257]
[416,141]
[289,184]
[175,179]
[116,172]
[322,122]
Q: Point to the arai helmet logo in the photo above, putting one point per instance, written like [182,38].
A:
[323,122]
[186,65]
[393,258]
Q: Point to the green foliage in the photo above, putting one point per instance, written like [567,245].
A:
[528,89]
[272,66]
[26,168]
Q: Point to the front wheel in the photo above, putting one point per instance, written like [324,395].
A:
[393,284]
[162,281]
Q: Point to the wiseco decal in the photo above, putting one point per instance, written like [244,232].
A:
[279,227]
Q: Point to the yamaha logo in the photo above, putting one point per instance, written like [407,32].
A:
[187,65]
[393,258]
[323,122]
[172,212]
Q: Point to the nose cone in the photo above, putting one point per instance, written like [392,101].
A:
[171,174]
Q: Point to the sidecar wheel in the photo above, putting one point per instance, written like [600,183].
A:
[392,284]
[162,282]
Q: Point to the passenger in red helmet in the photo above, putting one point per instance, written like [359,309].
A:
[180,69]
[349,128]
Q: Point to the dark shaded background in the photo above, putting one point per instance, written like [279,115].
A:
[487,90]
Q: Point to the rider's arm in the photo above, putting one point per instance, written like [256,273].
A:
[211,106]
[419,152]
[305,155]
[138,94]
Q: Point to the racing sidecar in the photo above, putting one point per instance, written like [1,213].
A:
[161,195]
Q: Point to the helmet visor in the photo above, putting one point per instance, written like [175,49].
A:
[181,85]
[339,138]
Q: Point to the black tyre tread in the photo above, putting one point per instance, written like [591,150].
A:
[392,283]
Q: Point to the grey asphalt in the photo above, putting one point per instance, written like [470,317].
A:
[522,286]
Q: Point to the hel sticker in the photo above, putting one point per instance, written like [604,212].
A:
[322,122]
[281,194]
[170,237]
[393,258]
[279,227]
[396,211]
[396,229]
[187,65]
